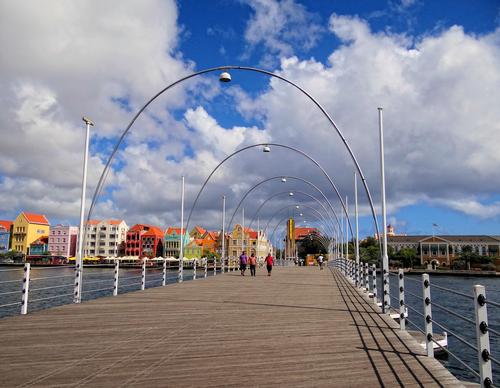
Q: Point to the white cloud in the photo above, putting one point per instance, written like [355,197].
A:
[281,27]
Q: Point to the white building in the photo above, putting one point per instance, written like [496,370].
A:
[103,238]
[63,240]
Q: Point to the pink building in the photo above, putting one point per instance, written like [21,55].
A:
[62,240]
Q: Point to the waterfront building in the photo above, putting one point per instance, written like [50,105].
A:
[194,249]
[444,249]
[250,241]
[62,240]
[173,241]
[144,241]
[27,228]
[40,246]
[104,238]
[5,235]
[197,232]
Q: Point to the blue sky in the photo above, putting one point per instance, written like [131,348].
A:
[433,66]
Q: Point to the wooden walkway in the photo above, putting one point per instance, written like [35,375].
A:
[300,327]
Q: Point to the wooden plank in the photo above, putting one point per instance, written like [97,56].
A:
[299,327]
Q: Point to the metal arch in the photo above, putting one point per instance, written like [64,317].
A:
[248,68]
[280,177]
[279,223]
[286,192]
[332,230]
[275,145]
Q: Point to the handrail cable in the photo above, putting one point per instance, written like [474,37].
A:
[492,303]
[52,277]
[10,270]
[434,304]
[415,311]
[50,297]
[416,296]
[464,341]
[11,281]
[102,289]
[9,292]
[51,287]
[452,291]
[10,304]
[446,350]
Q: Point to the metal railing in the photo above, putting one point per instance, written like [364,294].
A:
[38,290]
[359,276]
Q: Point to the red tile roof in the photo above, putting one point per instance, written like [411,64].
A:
[92,222]
[114,222]
[154,231]
[41,241]
[6,224]
[171,230]
[214,235]
[200,230]
[303,232]
[34,218]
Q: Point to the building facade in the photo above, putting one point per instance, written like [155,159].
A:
[5,235]
[40,246]
[144,241]
[251,241]
[103,238]
[27,228]
[172,241]
[194,249]
[444,249]
[62,240]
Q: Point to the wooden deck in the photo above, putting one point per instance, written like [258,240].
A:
[299,327]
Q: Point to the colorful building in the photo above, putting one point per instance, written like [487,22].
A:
[144,241]
[40,246]
[194,249]
[197,232]
[173,241]
[62,240]
[251,241]
[209,240]
[27,228]
[5,235]
[104,238]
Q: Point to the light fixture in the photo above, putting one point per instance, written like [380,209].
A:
[225,77]
[301,214]
[290,194]
[297,206]
[266,149]
[283,179]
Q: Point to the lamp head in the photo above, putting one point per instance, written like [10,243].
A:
[290,194]
[87,121]
[266,149]
[225,77]
[283,179]
[297,206]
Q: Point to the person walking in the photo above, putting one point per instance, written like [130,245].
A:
[320,261]
[253,264]
[243,263]
[269,263]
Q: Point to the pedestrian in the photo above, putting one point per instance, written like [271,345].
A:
[243,263]
[253,264]
[320,262]
[269,263]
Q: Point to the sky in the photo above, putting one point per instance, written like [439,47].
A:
[433,66]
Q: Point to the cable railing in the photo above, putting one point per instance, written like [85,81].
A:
[359,276]
[32,292]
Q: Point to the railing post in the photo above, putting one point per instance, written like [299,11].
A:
[374,281]
[367,277]
[426,288]
[78,278]
[402,319]
[115,280]
[143,277]
[26,289]
[215,266]
[206,267]
[194,269]
[482,336]
[164,279]
[357,275]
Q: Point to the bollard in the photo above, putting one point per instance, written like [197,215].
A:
[164,279]
[194,269]
[206,267]
[426,288]
[26,288]
[402,319]
[374,283]
[143,277]
[482,336]
[115,280]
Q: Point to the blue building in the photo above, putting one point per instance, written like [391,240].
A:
[173,241]
[5,234]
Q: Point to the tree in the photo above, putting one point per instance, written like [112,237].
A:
[407,256]
[310,245]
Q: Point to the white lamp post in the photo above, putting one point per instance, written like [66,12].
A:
[77,296]
[385,258]
[180,276]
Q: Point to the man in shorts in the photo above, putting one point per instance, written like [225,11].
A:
[243,263]
[269,264]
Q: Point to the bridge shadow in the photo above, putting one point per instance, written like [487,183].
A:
[360,312]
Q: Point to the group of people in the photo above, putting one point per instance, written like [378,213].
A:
[252,262]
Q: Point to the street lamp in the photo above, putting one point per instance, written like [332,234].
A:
[290,194]
[77,296]
[266,149]
[283,179]
[225,77]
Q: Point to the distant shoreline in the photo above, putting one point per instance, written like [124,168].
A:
[446,272]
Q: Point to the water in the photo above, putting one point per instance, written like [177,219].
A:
[98,282]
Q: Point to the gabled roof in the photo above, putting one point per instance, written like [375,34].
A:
[114,222]
[213,235]
[41,241]
[92,222]
[172,230]
[6,224]
[34,218]
[200,230]
[301,232]
[154,231]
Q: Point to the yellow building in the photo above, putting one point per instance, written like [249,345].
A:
[27,228]
[251,241]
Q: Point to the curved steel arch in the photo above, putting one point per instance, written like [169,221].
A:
[274,145]
[247,68]
[280,177]
[279,223]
